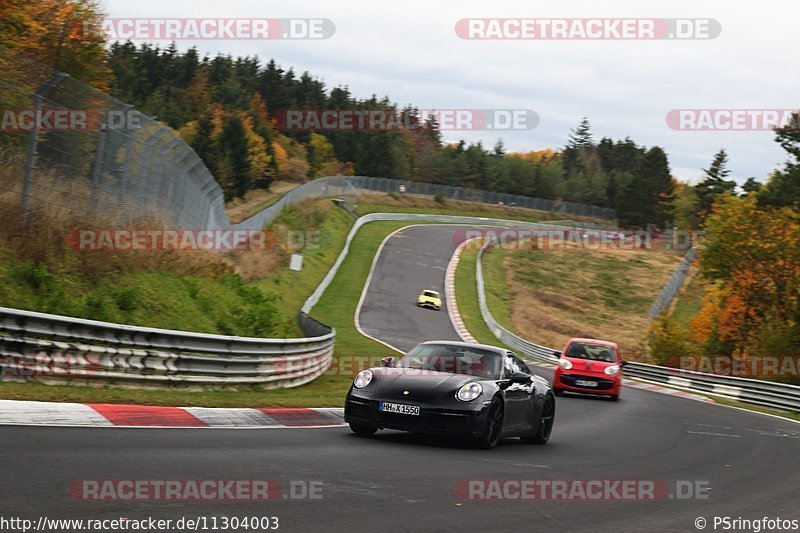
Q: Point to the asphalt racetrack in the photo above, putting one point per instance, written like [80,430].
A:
[745,465]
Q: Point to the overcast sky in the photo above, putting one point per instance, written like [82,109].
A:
[409,51]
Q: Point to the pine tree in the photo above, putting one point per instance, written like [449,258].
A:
[235,154]
[646,199]
[783,187]
[714,182]
[751,186]
[581,137]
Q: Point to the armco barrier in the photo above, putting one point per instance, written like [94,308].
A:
[753,391]
[56,348]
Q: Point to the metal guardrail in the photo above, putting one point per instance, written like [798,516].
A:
[780,396]
[57,348]
[771,394]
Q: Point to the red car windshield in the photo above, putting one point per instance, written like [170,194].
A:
[593,352]
[454,360]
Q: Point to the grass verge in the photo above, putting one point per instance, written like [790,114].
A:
[385,203]
[549,297]
[467,298]
[688,301]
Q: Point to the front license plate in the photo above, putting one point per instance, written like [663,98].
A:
[584,383]
[400,408]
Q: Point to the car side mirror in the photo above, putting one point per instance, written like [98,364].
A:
[521,377]
[557,354]
[387,361]
[623,363]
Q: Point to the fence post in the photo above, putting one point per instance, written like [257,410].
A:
[33,142]
[97,167]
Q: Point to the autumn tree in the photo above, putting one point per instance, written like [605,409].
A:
[62,34]
[320,154]
[752,254]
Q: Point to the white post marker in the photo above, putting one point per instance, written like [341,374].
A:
[296,263]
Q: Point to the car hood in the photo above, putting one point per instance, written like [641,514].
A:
[589,365]
[420,384]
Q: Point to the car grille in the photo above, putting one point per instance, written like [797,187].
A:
[427,420]
[602,384]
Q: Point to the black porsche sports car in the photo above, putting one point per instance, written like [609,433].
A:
[482,392]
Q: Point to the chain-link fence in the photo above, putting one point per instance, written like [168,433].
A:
[485,197]
[93,156]
[89,154]
[671,287]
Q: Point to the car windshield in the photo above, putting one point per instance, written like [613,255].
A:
[453,359]
[594,352]
[433,294]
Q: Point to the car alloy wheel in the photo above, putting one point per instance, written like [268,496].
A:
[545,427]
[494,425]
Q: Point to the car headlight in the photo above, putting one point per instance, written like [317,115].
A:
[611,370]
[566,364]
[469,392]
[362,379]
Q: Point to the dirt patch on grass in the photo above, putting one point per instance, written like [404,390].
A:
[561,294]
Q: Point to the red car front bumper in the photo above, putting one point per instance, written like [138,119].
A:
[587,382]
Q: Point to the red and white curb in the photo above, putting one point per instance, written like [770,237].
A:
[27,413]
[450,293]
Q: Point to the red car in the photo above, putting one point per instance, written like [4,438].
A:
[589,366]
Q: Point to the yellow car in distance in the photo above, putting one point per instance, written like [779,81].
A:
[429,298]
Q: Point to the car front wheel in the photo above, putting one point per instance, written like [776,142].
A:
[363,430]
[494,426]
[545,427]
